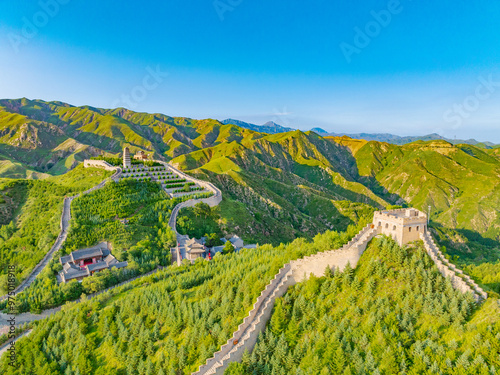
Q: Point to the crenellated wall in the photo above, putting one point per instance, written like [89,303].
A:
[245,337]
[459,280]
[403,225]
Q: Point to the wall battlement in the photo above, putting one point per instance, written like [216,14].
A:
[98,164]
[245,337]
[459,280]
[403,225]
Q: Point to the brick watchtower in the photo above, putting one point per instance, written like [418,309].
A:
[403,225]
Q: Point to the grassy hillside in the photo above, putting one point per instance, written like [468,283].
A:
[30,216]
[9,169]
[395,314]
[277,186]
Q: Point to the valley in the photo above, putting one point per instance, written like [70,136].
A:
[294,193]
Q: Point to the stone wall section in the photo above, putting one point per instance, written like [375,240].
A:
[64,225]
[212,201]
[459,279]
[245,337]
[98,164]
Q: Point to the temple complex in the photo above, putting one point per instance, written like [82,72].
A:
[85,262]
[141,155]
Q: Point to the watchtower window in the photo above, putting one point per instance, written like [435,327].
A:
[409,229]
[418,229]
[386,226]
[379,223]
[394,227]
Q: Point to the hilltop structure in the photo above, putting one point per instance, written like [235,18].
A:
[85,262]
[141,155]
[126,158]
[404,225]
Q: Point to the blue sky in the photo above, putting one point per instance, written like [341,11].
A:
[380,66]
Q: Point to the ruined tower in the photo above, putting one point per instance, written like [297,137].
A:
[126,158]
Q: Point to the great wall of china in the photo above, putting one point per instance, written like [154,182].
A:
[64,225]
[404,226]
[245,337]
[458,278]
[214,200]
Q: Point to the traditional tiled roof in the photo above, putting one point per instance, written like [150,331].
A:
[88,253]
[193,250]
[72,271]
[97,266]
[65,259]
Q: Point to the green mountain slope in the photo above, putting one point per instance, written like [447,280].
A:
[30,214]
[394,314]
[276,186]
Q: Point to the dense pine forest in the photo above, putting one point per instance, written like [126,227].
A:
[144,240]
[168,323]
[394,314]
[30,214]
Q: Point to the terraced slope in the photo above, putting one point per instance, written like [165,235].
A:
[276,186]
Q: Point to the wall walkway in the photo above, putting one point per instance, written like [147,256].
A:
[61,238]
[245,337]
[458,278]
[212,201]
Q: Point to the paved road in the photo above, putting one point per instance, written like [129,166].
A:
[212,201]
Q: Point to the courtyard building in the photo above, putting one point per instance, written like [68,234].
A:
[85,262]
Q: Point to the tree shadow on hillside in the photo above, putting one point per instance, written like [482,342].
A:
[369,182]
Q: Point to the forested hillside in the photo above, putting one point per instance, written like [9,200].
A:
[168,323]
[394,314]
[277,187]
[132,217]
[30,215]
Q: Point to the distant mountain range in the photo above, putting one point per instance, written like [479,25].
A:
[276,187]
[269,127]
[273,128]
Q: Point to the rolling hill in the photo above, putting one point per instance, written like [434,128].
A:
[276,186]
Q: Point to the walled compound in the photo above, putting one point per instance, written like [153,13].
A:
[403,225]
[64,225]
[85,262]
